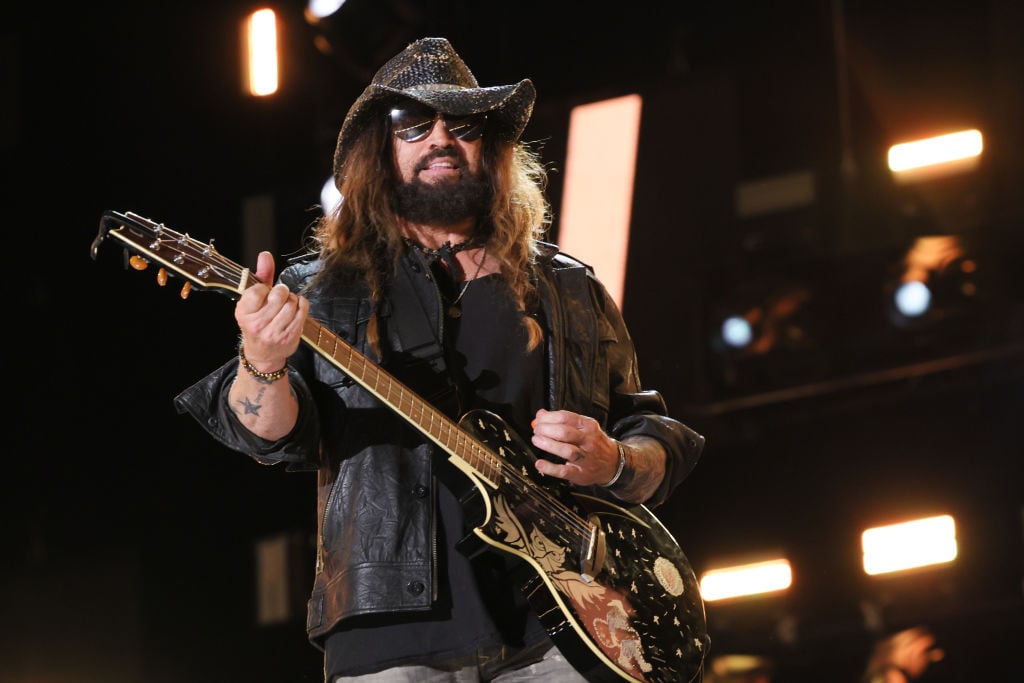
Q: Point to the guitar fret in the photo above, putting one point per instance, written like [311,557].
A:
[454,441]
[401,402]
[488,466]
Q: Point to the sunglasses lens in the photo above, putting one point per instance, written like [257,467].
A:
[468,128]
[412,123]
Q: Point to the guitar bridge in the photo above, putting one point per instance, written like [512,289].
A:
[593,551]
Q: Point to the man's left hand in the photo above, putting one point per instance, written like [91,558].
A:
[590,456]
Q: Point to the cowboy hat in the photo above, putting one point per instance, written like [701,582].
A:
[430,71]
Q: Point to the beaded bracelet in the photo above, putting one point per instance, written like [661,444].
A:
[267,377]
[622,466]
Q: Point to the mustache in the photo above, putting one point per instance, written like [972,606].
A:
[440,153]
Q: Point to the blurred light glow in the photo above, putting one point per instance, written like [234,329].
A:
[261,42]
[272,581]
[329,196]
[908,545]
[737,332]
[748,579]
[912,298]
[931,254]
[321,9]
[937,155]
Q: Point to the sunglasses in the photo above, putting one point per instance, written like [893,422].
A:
[412,122]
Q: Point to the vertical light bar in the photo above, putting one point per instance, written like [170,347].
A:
[272,597]
[908,545]
[746,579]
[261,52]
[597,197]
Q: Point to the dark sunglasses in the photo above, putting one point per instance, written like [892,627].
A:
[412,122]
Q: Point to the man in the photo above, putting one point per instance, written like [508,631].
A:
[432,267]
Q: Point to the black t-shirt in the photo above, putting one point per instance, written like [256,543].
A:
[487,351]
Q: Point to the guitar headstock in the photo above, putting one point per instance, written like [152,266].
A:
[147,241]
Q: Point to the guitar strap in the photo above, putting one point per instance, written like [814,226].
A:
[414,332]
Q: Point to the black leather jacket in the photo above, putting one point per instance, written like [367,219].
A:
[375,476]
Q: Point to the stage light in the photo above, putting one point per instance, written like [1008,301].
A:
[756,578]
[764,319]
[261,52]
[742,667]
[936,156]
[912,299]
[909,545]
[737,332]
[321,9]
[936,282]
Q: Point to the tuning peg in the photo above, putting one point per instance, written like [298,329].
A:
[161,276]
[138,263]
[186,290]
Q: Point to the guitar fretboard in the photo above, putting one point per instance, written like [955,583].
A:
[433,423]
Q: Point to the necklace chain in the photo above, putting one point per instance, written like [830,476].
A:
[465,285]
[445,253]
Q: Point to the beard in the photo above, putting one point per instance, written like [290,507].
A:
[445,202]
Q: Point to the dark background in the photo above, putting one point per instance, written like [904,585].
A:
[129,535]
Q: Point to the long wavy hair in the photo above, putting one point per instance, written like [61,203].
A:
[361,239]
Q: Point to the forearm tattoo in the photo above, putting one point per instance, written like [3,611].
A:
[250,405]
[645,468]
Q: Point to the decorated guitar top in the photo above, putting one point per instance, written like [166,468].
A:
[609,583]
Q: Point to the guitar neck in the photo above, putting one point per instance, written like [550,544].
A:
[429,420]
[201,265]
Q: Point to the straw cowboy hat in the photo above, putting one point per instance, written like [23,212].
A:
[430,71]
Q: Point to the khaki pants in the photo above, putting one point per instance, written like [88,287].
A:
[550,668]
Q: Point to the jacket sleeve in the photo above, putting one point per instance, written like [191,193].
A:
[207,402]
[636,412]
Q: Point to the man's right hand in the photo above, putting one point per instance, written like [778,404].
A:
[270,318]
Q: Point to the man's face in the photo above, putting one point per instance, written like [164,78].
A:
[441,176]
[431,151]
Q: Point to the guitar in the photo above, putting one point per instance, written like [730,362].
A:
[609,583]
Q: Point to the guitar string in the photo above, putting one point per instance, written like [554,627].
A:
[546,499]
